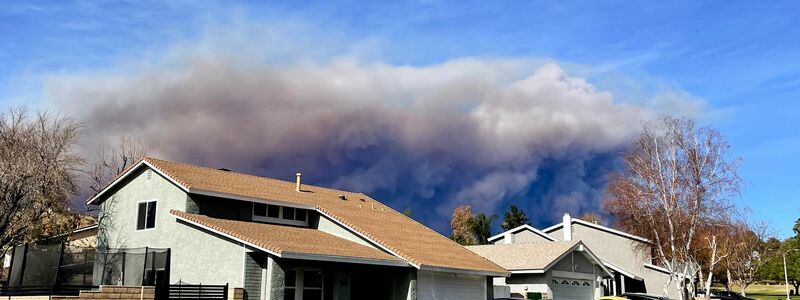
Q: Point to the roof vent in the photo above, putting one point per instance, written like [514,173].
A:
[298,185]
[342,197]
[224,169]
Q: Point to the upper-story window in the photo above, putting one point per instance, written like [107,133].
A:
[146,215]
[280,214]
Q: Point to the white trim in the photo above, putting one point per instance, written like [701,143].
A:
[573,275]
[293,255]
[126,174]
[599,227]
[520,228]
[463,271]
[621,270]
[155,218]
[344,259]
[528,271]
[657,268]
[244,263]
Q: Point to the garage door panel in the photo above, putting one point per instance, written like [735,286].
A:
[443,286]
[571,289]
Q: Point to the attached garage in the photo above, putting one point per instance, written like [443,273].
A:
[554,270]
[444,286]
[571,289]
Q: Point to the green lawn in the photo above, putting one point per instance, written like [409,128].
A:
[764,292]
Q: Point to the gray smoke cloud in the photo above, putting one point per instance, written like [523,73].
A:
[483,132]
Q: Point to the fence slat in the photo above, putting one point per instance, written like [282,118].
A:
[198,291]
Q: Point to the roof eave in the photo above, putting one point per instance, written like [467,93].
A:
[465,271]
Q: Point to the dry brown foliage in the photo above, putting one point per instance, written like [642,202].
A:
[38,171]
[677,179]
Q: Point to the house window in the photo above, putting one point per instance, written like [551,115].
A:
[288,213]
[290,282]
[270,213]
[312,285]
[260,210]
[303,284]
[146,215]
[274,211]
[300,215]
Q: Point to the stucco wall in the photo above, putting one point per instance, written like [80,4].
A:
[197,257]
[326,225]
[524,283]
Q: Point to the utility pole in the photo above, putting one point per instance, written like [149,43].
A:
[786,274]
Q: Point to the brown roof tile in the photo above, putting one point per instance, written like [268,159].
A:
[529,256]
[286,239]
[396,232]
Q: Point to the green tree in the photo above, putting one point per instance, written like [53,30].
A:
[514,218]
[796,228]
[773,270]
[481,227]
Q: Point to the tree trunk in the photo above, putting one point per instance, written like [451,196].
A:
[730,281]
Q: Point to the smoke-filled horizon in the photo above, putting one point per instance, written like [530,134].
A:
[470,131]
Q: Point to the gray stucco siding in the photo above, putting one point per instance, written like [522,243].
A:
[523,237]
[197,257]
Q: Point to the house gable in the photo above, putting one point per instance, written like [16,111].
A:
[521,235]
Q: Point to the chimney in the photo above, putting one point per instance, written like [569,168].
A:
[297,186]
[567,222]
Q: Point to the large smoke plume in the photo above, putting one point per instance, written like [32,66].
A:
[484,132]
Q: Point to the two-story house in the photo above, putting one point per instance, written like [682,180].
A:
[281,239]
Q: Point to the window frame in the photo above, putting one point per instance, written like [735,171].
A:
[279,219]
[155,214]
[299,282]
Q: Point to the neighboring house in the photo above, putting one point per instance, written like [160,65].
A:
[627,255]
[284,240]
[556,270]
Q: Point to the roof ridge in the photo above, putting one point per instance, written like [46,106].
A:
[251,175]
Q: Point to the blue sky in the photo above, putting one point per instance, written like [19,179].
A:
[739,60]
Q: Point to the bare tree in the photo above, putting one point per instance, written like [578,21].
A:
[676,178]
[749,253]
[717,242]
[38,171]
[111,162]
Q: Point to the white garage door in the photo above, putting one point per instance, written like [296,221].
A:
[443,286]
[571,289]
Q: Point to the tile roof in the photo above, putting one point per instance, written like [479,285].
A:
[530,256]
[283,240]
[399,234]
